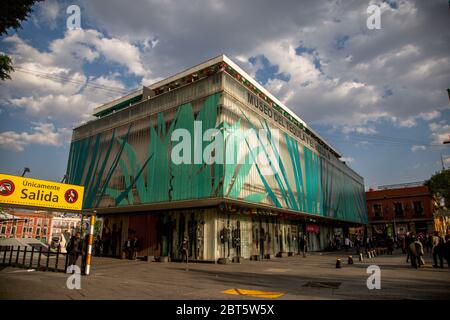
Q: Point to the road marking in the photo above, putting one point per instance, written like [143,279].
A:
[21,271]
[276,270]
[254,293]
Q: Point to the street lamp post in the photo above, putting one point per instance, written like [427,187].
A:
[447,141]
[25,170]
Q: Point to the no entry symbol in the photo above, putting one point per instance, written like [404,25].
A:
[71,196]
[6,187]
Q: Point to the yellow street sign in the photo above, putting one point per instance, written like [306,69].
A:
[21,191]
[254,293]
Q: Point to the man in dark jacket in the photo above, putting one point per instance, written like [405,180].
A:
[135,247]
[303,246]
[438,250]
[408,240]
[74,248]
[447,249]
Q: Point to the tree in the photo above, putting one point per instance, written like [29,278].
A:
[5,67]
[439,184]
[13,12]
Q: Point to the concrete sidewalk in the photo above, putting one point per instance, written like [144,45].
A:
[313,277]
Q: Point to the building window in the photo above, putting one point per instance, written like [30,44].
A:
[418,208]
[13,231]
[39,221]
[398,209]
[3,231]
[378,212]
[38,231]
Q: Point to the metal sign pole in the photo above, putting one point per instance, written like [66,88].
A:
[81,225]
[89,249]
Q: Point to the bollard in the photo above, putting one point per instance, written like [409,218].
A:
[89,250]
[374,253]
[361,257]
[338,263]
[350,260]
[368,254]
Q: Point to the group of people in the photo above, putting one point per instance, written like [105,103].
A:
[414,248]
[348,242]
[77,247]
[129,250]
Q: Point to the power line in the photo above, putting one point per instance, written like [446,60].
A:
[382,141]
[64,79]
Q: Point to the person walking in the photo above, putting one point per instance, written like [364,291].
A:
[437,250]
[447,249]
[414,252]
[303,246]
[185,248]
[135,248]
[408,240]
[74,248]
[126,252]
[98,246]
[346,243]
[390,245]
[419,253]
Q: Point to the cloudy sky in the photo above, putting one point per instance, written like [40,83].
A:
[379,96]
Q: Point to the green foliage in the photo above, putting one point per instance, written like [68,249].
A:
[13,12]
[439,184]
[5,67]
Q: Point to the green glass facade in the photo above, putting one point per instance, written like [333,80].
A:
[124,160]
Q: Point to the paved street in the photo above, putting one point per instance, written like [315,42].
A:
[314,277]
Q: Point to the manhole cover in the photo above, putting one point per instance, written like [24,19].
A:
[320,284]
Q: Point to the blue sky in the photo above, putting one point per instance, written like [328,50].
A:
[378,96]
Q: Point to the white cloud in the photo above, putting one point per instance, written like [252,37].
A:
[408,123]
[440,132]
[48,13]
[52,86]
[42,134]
[347,159]
[359,129]
[427,116]
[416,148]
[397,73]
[446,159]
